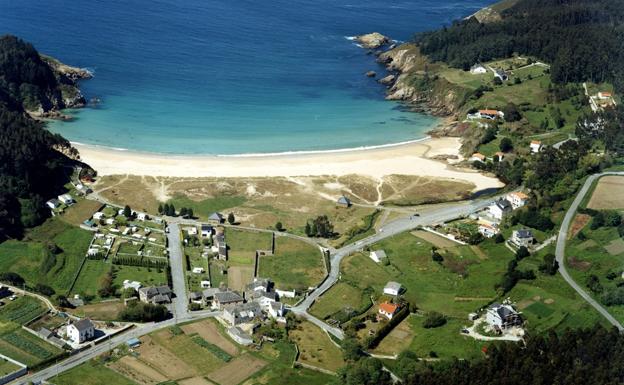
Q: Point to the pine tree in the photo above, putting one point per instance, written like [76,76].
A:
[231,219]
[308,230]
[127,211]
[189,213]
[160,208]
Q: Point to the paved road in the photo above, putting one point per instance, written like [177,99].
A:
[73,361]
[561,243]
[176,261]
[429,216]
[43,299]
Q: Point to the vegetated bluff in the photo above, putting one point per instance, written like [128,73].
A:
[31,168]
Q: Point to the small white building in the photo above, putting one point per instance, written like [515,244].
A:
[535,146]
[488,230]
[378,255]
[191,230]
[110,221]
[286,293]
[477,157]
[392,288]
[478,69]
[66,199]
[81,331]
[141,216]
[517,199]
[206,231]
[238,335]
[198,270]
[127,284]
[204,284]
[53,203]
[99,215]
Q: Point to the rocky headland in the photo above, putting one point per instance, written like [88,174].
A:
[64,93]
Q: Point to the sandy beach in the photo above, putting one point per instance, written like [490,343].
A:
[406,159]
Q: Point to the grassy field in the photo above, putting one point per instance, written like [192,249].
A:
[608,193]
[27,257]
[203,208]
[7,367]
[243,245]
[295,265]
[93,271]
[340,297]
[80,211]
[315,347]
[92,373]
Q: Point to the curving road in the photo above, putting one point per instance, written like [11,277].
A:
[429,216]
[561,243]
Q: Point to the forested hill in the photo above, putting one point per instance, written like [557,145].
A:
[31,171]
[581,39]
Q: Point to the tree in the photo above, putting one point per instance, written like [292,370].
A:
[190,213]
[106,285]
[62,301]
[12,278]
[160,208]
[44,289]
[550,265]
[279,226]
[433,320]
[522,253]
[512,114]
[308,230]
[351,349]
[499,238]
[143,312]
[166,209]
[505,145]
[231,219]
[366,371]
[172,211]
[183,212]
[127,211]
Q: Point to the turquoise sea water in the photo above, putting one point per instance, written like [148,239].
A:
[230,77]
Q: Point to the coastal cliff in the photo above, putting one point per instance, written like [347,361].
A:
[38,84]
[417,83]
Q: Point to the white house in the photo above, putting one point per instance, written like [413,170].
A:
[502,316]
[501,74]
[535,146]
[80,331]
[286,293]
[388,310]
[141,216]
[110,221]
[99,215]
[378,255]
[478,69]
[500,208]
[206,231]
[522,237]
[191,230]
[517,199]
[204,284]
[198,270]
[392,288]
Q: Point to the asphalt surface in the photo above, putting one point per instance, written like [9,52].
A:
[176,261]
[561,243]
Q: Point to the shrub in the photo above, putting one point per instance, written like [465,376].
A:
[499,238]
[433,320]
[550,265]
[12,278]
[143,312]
[44,289]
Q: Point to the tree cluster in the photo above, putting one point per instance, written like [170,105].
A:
[320,227]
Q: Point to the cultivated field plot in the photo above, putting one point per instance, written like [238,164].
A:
[239,276]
[210,332]
[7,367]
[608,194]
[243,243]
[101,311]
[316,348]
[92,373]
[398,340]
[26,348]
[295,265]
[237,370]
[139,372]
[434,239]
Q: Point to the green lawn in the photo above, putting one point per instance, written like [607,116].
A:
[446,341]
[341,296]
[295,265]
[93,271]
[25,257]
[202,209]
[7,367]
[244,243]
[91,373]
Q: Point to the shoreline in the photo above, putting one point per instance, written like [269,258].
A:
[413,158]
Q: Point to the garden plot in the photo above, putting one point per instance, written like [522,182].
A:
[608,194]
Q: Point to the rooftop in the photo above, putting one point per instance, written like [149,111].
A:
[388,307]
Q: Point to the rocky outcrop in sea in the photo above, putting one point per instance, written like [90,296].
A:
[372,40]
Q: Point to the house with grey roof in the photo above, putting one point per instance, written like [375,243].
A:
[155,294]
[238,335]
[522,237]
[81,331]
[225,298]
[220,246]
[502,316]
[242,313]
[500,208]
[392,288]
[501,74]
[378,255]
[343,201]
[216,217]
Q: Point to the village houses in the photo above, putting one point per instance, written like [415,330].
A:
[80,331]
